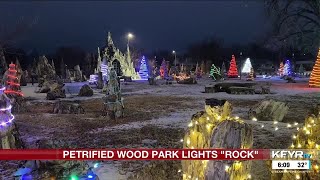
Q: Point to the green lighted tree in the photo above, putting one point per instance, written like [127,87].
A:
[215,73]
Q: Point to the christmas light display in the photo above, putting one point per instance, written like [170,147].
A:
[251,75]
[287,68]
[163,70]
[215,73]
[199,136]
[143,71]
[314,80]
[247,66]
[307,137]
[280,71]
[93,79]
[13,86]
[6,117]
[233,70]
[104,70]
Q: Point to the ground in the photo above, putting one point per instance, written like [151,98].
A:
[155,116]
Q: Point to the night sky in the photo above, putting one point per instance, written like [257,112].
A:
[156,25]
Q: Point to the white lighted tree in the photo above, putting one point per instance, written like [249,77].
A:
[247,66]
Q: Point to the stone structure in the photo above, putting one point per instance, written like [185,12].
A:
[63,107]
[3,63]
[68,76]
[215,128]
[85,90]
[45,71]
[113,103]
[78,74]
[121,62]
[269,110]
[56,91]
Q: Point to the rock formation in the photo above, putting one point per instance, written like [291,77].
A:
[269,110]
[114,56]
[56,91]
[113,103]
[3,63]
[45,71]
[85,90]
[78,74]
[215,128]
[63,107]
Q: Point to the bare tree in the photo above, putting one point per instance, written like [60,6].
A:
[296,22]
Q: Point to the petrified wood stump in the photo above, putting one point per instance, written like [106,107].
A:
[10,138]
[230,134]
[269,110]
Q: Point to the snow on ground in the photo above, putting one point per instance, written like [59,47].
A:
[180,119]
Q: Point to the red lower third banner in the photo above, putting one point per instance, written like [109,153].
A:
[134,154]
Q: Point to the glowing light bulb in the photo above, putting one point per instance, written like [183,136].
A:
[192,147]
[297,176]
[249,176]
[188,141]
[276,128]
[189,176]
[292,145]
[304,128]
[179,170]
[254,119]
[312,121]
[74,177]
[262,126]
[208,126]
[275,122]
[95,165]
[307,132]
[299,145]
[298,129]
[237,117]
[197,122]
[219,117]
[317,146]
[294,136]
[308,125]
[316,166]
[296,124]
[289,125]
[190,124]
[181,140]
[208,118]
[226,168]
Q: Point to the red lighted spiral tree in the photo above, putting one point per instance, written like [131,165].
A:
[233,70]
[13,85]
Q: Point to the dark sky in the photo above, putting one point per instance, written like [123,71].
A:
[156,25]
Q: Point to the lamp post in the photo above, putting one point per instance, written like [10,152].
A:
[175,58]
[240,64]
[129,36]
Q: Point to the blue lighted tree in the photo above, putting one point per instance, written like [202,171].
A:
[287,68]
[143,71]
